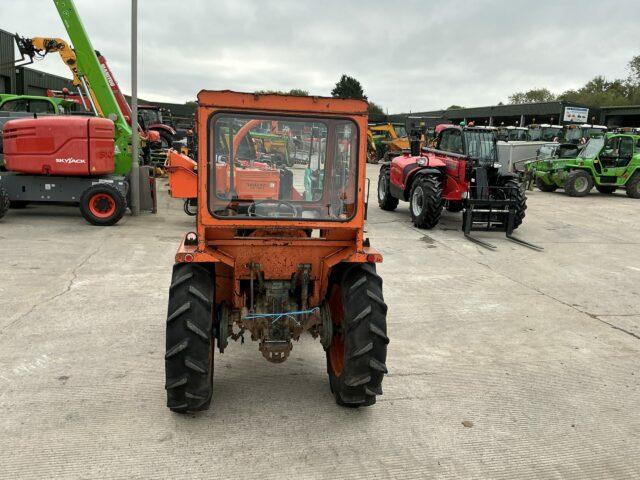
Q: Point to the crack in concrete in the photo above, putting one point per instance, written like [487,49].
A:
[522,284]
[67,289]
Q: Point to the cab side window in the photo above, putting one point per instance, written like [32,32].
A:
[443,141]
[626,147]
[451,141]
[41,106]
[19,105]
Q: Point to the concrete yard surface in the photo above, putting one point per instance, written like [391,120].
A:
[502,365]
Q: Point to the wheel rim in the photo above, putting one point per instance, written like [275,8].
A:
[337,348]
[417,200]
[382,188]
[102,205]
[580,184]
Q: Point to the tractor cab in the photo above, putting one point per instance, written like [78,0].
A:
[321,188]
[580,134]
[153,115]
[513,134]
[545,133]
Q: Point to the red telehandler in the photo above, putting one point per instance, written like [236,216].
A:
[461,173]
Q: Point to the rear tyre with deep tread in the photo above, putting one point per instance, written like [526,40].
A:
[189,340]
[425,201]
[358,351]
[386,201]
[578,183]
[4,202]
[633,186]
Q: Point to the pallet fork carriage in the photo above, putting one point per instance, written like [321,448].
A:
[482,213]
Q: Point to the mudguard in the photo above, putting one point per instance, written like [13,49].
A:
[163,127]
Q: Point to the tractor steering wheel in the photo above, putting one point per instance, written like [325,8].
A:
[293,210]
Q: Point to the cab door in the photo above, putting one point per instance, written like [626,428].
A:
[615,157]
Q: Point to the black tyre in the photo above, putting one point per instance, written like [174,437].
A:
[606,189]
[425,201]
[4,202]
[189,347]
[358,351]
[544,187]
[454,207]
[517,190]
[102,205]
[386,201]
[633,186]
[290,161]
[166,140]
[578,183]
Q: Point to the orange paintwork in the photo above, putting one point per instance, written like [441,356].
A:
[183,179]
[250,182]
[277,246]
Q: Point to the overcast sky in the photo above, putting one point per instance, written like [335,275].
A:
[422,55]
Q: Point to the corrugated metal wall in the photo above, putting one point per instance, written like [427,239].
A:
[21,80]
[33,82]
[7,71]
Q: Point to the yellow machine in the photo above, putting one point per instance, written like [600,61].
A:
[386,140]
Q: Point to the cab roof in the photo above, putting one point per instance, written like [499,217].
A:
[281,103]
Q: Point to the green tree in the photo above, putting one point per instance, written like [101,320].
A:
[454,107]
[535,95]
[348,87]
[600,92]
[634,70]
[375,108]
[298,92]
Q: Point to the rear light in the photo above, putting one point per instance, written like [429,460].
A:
[373,258]
[188,257]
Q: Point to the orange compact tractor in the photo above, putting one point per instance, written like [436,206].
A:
[277,251]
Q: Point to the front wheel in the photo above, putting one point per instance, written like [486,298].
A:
[426,201]
[358,351]
[633,186]
[386,201]
[102,205]
[578,183]
[517,192]
[166,140]
[189,340]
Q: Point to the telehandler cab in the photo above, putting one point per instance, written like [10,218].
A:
[280,253]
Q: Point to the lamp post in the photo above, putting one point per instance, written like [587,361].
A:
[135,137]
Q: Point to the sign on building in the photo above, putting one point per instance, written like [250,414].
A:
[576,114]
